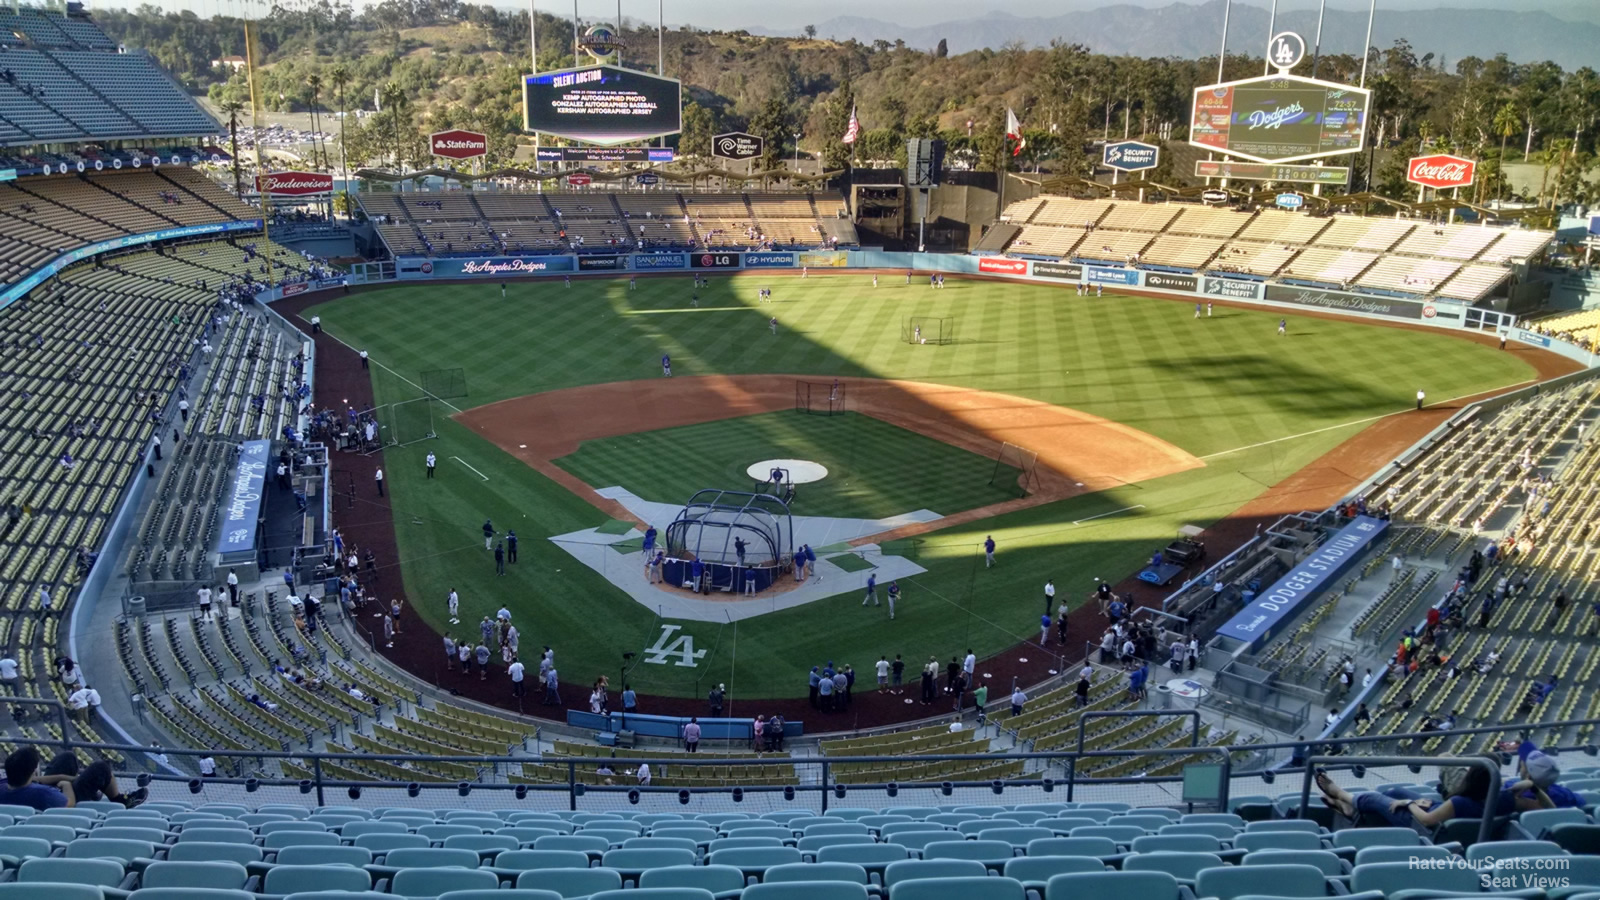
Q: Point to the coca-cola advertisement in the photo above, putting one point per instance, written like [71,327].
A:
[1441,171]
[459,144]
[294,184]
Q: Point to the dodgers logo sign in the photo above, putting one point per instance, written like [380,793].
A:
[1131,156]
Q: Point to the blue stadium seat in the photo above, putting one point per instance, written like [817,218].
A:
[433,882]
[741,842]
[280,839]
[571,882]
[107,848]
[969,888]
[1182,866]
[1099,847]
[1121,885]
[993,854]
[1062,826]
[667,893]
[754,861]
[919,869]
[223,875]
[352,830]
[1394,877]
[1400,854]
[324,856]
[874,859]
[810,844]
[1491,851]
[1277,840]
[1377,837]
[296,879]
[807,890]
[1326,860]
[16,891]
[201,851]
[1035,871]
[183,893]
[726,882]
[100,872]
[524,894]
[1017,836]
[1537,821]
[630,863]
[1274,825]
[1177,843]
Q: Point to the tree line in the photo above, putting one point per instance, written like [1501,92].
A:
[445,64]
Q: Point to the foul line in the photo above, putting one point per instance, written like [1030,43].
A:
[469,465]
[1364,421]
[1111,513]
[395,374]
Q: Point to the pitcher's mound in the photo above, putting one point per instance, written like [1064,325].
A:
[801,471]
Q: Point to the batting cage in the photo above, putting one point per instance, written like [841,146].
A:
[928,330]
[712,527]
[819,398]
[406,422]
[1016,467]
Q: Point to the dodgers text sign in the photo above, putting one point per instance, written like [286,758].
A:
[249,482]
[1338,301]
[1265,614]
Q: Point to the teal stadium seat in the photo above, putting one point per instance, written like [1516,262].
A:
[818,871]
[1277,840]
[99,872]
[15,891]
[431,883]
[184,893]
[511,861]
[1098,847]
[1273,825]
[296,879]
[725,882]
[1538,821]
[201,851]
[992,854]
[661,842]
[1326,860]
[874,859]
[222,875]
[1018,836]
[754,861]
[524,894]
[1121,885]
[1377,837]
[970,888]
[1394,877]
[280,839]
[1488,853]
[1227,883]
[360,827]
[324,856]
[1577,838]
[914,869]
[806,890]
[572,882]
[108,848]
[1177,843]
[1182,866]
[1035,871]
[1367,855]
[631,863]
[655,894]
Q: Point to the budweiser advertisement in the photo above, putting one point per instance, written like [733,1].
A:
[294,184]
[458,144]
[1441,171]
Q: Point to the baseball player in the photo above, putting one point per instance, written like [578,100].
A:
[1197,310]
[1208,309]
[874,280]
[666,365]
[1283,327]
[894,594]
[633,284]
[773,324]
[455,607]
[569,280]
[872,590]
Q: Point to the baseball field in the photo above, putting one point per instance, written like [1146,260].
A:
[1144,419]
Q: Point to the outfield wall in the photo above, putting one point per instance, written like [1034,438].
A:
[1438,312]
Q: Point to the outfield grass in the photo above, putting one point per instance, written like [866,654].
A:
[1211,387]
[875,469]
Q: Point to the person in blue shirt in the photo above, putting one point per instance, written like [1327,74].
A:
[1406,808]
[698,571]
[872,590]
[815,678]
[1537,787]
[630,700]
[988,551]
[26,787]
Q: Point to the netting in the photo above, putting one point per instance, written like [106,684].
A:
[406,422]
[445,384]
[928,330]
[819,398]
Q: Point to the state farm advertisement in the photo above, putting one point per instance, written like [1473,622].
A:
[1000,266]
[459,144]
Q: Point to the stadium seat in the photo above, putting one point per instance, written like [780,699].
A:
[1121,885]
[280,839]
[1393,877]
[1538,821]
[284,823]
[668,893]
[430,858]
[960,888]
[433,882]
[571,882]
[1177,843]
[512,861]
[1488,853]
[754,861]
[1124,834]
[837,871]
[991,853]
[810,844]
[286,879]
[1233,820]
[15,849]
[832,828]
[1149,823]
[1182,866]
[381,844]
[894,828]
[55,834]
[1577,838]
[873,858]
[16,891]
[525,835]
[656,841]
[916,840]
[1062,826]
[125,833]
[806,890]
[223,875]
[1326,860]
[701,836]
[325,856]
[485,845]
[1219,831]
[1400,854]
[913,869]
[1277,840]
[1377,837]
[523,894]
[100,872]
[726,882]
[1018,836]
[107,848]
[1035,871]
[184,893]
[1276,825]
[630,863]
[1099,847]
[216,835]
[739,843]
[201,851]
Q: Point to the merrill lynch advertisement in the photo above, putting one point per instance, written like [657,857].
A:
[1231,288]
[239,517]
[1058,270]
[660,261]
[1342,302]
[1186,283]
[768,260]
[1113,276]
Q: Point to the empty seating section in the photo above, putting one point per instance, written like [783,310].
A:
[935,739]
[1253,259]
[1354,232]
[1475,475]
[1338,267]
[1473,282]
[1020,211]
[1517,246]
[1207,221]
[1069,211]
[1044,240]
[1283,228]
[1408,274]
[1448,241]
[517,223]
[225,852]
[40,78]
[554,768]
[140,90]
[1112,246]
[1139,217]
[1183,252]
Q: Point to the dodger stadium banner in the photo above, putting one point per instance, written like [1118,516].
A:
[1263,616]
[1338,301]
[489,267]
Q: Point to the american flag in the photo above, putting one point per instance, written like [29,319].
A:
[854,131]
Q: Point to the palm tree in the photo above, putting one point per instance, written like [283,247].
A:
[340,76]
[314,81]
[231,109]
[394,97]
[1505,124]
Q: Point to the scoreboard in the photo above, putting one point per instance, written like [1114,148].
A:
[1279,118]
[603,105]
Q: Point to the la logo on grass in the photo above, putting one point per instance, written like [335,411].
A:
[681,647]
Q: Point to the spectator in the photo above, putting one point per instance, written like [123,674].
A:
[691,735]
[26,787]
[1017,699]
[1406,808]
[1537,787]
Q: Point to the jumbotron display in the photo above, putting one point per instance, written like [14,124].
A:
[1279,118]
[603,105]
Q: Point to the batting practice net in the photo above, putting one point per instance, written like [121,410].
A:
[819,398]
[928,330]
[1016,467]
[406,422]
[711,528]
[445,384]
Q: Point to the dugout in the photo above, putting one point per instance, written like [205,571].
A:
[707,529]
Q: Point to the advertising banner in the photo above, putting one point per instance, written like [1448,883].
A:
[1251,171]
[643,261]
[459,144]
[239,517]
[294,184]
[823,259]
[601,263]
[737,145]
[605,154]
[290,290]
[494,266]
[1338,301]
[599,104]
[713,260]
[1531,337]
[999,265]
[1441,171]
[1188,283]
[769,260]
[1274,608]
[1232,289]
[1130,156]
[1058,270]
[1096,275]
